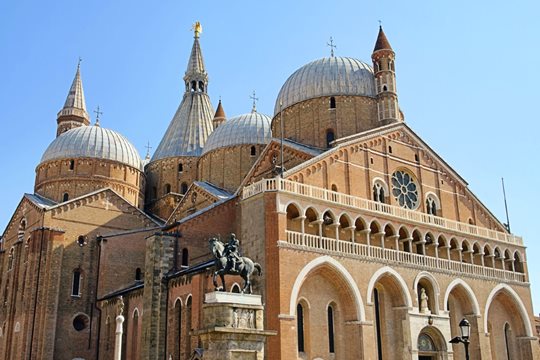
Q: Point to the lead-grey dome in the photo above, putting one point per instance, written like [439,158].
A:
[327,77]
[252,128]
[93,142]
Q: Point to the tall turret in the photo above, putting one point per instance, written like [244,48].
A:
[174,164]
[385,80]
[73,114]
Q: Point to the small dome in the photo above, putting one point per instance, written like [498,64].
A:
[252,128]
[93,142]
[327,77]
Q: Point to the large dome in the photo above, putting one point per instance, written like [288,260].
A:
[327,77]
[252,128]
[93,142]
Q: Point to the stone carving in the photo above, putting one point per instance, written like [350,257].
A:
[229,262]
[243,319]
[424,309]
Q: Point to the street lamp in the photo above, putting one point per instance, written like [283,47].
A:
[465,328]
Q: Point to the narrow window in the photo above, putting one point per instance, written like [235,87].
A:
[201,86]
[81,241]
[331,330]
[180,167]
[183,188]
[135,338]
[416,158]
[253,151]
[390,149]
[507,340]
[167,188]
[378,323]
[11,258]
[371,161]
[332,102]
[138,274]
[330,137]
[65,197]
[300,327]
[76,286]
[385,88]
[71,164]
[193,86]
[185,257]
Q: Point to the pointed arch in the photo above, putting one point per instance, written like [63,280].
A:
[519,304]
[468,290]
[340,269]
[393,273]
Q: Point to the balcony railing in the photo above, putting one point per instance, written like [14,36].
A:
[292,187]
[393,257]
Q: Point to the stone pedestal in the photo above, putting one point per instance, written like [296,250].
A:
[233,327]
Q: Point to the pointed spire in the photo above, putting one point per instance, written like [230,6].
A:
[196,62]
[219,117]
[74,112]
[382,42]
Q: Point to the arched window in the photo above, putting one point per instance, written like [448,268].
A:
[81,240]
[332,102]
[431,205]
[300,327]
[235,289]
[507,337]
[334,187]
[183,188]
[378,193]
[385,88]
[138,274]
[185,257]
[201,86]
[330,137]
[330,313]
[71,164]
[135,337]
[65,197]
[188,325]
[178,327]
[11,258]
[180,167]
[193,86]
[253,151]
[167,188]
[76,284]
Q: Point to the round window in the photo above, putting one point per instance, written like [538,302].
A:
[405,190]
[80,322]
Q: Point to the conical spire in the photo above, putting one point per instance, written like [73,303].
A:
[192,123]
[219,117]
[382,42]
[74,113]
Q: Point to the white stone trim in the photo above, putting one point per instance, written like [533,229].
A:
[388,270]
[468,289]
[327,260]
[519,303]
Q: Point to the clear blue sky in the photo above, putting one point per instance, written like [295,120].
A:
[467,76]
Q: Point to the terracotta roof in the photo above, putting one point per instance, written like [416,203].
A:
[382,42]
[220,113]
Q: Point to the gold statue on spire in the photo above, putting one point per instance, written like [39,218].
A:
[197,28]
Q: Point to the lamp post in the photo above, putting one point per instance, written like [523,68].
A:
[465,328]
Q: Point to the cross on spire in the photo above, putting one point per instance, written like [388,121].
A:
[98,114]
[148,147]
[79,63]
[255,99]
[332,46]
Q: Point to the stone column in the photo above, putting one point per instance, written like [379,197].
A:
[352,230]
[119,330]
[233,327]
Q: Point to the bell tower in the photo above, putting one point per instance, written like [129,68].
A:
[383,58]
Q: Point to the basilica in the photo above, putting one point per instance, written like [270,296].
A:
[371,246]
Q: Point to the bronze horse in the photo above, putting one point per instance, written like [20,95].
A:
[244,268]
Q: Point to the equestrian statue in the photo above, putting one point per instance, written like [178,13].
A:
[229,262]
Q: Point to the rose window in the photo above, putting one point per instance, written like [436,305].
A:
[405,190]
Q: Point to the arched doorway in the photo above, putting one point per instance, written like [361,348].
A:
[431,344]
